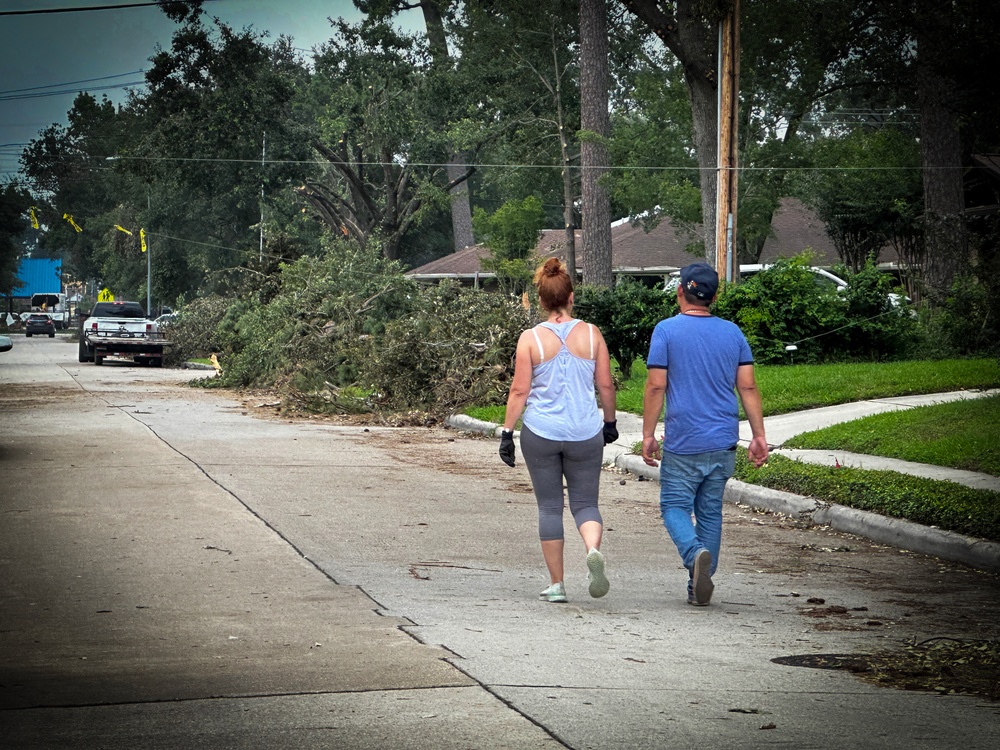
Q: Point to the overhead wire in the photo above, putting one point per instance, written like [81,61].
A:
[72,83]
[86,8]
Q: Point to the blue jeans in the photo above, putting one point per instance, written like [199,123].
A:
[692,486]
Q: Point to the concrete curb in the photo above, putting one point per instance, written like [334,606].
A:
[468,424]
[897,532]
[979,553]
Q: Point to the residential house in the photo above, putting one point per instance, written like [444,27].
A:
[652,256]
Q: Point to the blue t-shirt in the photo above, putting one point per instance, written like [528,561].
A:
[701,355]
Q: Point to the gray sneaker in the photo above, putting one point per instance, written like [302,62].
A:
[555,593]
[599,585]
[701,579]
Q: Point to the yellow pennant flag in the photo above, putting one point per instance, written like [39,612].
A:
[34,218]
[72,223]
[142,239]
[120,228]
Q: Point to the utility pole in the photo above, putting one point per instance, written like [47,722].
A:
[726,195]
[263,157]
[149,263]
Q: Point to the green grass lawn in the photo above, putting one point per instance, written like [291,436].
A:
[788,388]
[961,435]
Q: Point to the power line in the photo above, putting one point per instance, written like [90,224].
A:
[84,9]
[72,83]
[638,168]
[64,92]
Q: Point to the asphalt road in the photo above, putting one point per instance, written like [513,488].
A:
[180,567]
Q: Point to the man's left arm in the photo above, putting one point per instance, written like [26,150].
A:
[746,387]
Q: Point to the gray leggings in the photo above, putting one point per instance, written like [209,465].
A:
[548,461]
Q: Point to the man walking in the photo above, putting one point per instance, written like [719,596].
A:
[697,360]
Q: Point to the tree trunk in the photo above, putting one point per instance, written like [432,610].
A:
[569,195]
[594,157]
[693,39]
[461,209]
[945,241]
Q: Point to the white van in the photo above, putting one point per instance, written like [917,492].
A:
[821,275]
[746,271]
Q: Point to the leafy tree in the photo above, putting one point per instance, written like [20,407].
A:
[446,89]
[688,28]
[651,145]
[865,190]
[375,138]
[511,233]
[795,80]
[14,205]
[218,144]
[69,171]
[521,58]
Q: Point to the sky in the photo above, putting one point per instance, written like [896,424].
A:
[62,50]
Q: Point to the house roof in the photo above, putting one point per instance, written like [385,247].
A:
[634,251]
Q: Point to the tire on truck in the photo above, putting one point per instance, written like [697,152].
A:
[85,355]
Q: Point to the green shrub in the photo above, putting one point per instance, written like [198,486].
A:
[968,322]
[877,329]
[194,332]
[626,315]
[783,305]
[310,335]
[455,347]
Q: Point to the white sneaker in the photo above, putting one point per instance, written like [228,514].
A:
[555,593]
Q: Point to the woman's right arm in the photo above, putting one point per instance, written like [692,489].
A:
[602,378]
[520,386]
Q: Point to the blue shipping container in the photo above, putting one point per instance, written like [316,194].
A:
[39,276]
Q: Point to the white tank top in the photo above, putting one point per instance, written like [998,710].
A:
[562,404]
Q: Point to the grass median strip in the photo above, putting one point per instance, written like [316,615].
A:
[930,502]
[960,435]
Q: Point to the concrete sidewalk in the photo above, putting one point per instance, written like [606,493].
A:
[780,428]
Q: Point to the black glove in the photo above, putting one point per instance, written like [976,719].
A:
[610,431]
[507,447]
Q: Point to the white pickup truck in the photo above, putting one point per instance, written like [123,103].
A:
[122,330]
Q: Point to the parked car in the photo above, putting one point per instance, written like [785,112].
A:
[6,344]
[39,323]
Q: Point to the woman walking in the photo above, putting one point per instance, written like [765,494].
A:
[556,368]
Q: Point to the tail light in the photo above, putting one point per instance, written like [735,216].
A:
[149,327]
